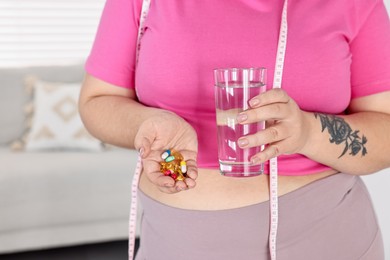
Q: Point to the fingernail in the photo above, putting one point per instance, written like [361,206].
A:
[141,151]
[254,102]
[242,118]
[243,142]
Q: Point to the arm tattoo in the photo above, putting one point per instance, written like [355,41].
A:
[341,133]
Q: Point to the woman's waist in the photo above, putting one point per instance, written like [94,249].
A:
[288,165]
[214,191]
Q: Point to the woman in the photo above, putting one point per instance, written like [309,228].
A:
[331,122]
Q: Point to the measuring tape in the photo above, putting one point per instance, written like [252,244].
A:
[273,164]
[141,28]
[138,169]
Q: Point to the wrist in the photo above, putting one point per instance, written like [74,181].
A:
[311,135]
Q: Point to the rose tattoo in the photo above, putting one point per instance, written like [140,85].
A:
[341,133]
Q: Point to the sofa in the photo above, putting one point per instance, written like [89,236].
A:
[56,196]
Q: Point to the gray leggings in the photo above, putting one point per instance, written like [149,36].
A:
[329,219]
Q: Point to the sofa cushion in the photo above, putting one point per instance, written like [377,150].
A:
[56,123]
[13,95]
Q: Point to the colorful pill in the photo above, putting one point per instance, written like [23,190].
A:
[177,155]
[166,154]
[167,172]
[170,158]
[173,165]
[183,166]
[180,178]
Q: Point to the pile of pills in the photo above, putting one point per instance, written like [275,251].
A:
[173,165]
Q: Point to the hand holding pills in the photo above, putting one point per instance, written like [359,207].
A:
[168,147]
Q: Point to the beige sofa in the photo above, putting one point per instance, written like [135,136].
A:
[57,198]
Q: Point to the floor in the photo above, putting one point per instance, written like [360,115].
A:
[116,250]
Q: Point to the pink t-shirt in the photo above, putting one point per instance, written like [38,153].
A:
[337,50]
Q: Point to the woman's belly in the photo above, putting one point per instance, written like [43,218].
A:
[216,192]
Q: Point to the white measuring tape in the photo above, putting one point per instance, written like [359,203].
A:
[134,208]
[138,169]
[141,28]
[273,164]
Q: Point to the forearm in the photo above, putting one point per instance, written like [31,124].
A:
[115,119]
[357,144]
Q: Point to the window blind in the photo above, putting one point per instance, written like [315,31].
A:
[35,32]
[42,32]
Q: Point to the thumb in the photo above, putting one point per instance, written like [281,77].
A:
[144,147]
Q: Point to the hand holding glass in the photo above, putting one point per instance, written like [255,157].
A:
[234,87]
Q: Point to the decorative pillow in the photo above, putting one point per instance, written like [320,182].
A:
[55,122]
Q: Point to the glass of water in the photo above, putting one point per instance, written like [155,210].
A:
[234,87]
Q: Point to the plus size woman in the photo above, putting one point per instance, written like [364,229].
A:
[327,125]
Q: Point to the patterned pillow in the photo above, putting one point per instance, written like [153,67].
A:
[55,121]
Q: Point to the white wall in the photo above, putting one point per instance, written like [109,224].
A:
[41,32]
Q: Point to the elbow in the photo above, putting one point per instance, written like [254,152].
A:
[85,107]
